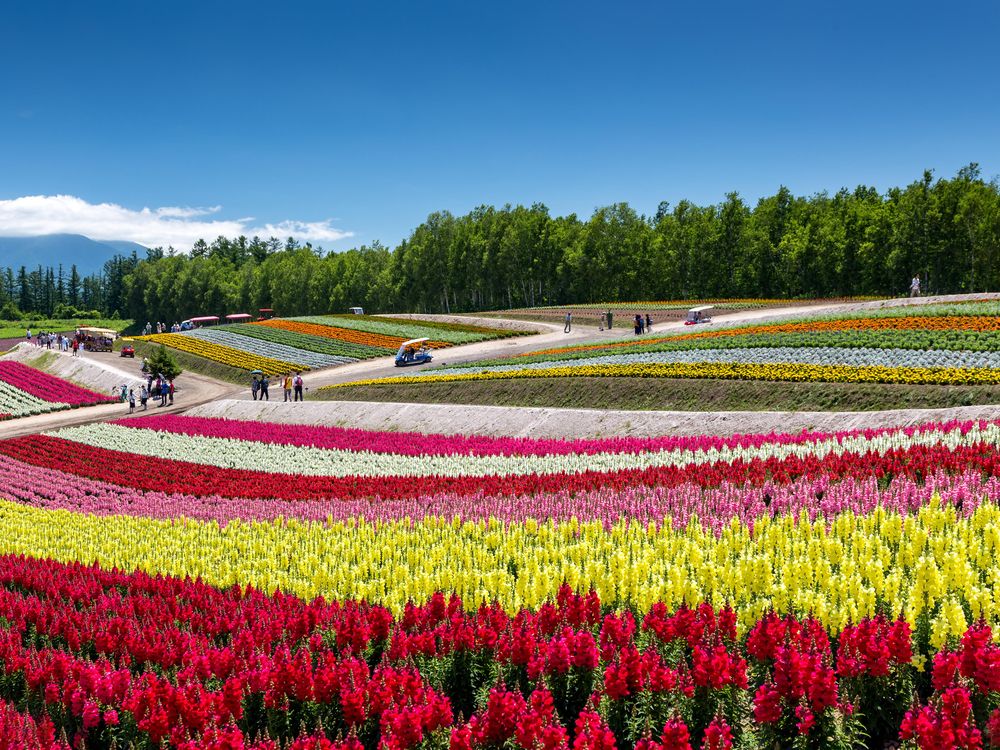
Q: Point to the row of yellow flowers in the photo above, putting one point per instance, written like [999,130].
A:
[851,566]
[223,354]
[723,371]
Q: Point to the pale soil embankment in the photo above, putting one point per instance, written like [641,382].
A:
[451,419]
[102,371]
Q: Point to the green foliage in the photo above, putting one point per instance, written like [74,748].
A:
[162,362]
[852,243]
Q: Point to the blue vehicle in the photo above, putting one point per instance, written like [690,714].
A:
[413,352]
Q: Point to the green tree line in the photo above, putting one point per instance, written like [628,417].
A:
[61,293]
[855,242]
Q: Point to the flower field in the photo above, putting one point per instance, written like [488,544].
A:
[818,590]
[943,345]
[25,391]
[282,345]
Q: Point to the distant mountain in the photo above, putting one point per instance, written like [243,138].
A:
[53,249]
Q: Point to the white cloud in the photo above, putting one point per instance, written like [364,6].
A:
[179,226]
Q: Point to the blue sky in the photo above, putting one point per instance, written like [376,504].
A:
[326,117]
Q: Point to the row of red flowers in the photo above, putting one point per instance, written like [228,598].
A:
[116,467]
[48,387]
[99,659]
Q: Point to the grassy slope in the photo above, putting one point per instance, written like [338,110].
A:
[194,363]
[16,328]
[681,395]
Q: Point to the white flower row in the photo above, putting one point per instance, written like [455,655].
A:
[17,403]
[290,354]
[820,355]
[283,459]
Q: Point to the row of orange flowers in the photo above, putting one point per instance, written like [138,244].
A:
[345,334]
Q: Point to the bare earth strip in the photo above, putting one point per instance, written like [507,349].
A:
[450,419]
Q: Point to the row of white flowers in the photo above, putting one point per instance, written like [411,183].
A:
[313,360]
[283,459]
[16,403]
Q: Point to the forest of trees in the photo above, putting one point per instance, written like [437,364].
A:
[61,293]
[852,243]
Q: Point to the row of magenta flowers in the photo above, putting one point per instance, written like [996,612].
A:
[106,659]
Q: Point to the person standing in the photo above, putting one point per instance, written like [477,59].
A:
[297,384]
[649,323]
[76,347]
[915,286]
[131,401]
[144,397]
[609,320]
[265,383]
[170,391]
[569,323]
[163,391]
[254,387]
[288,386]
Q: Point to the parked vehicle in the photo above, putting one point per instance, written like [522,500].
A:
[698,315]
[413,352]
[357,311]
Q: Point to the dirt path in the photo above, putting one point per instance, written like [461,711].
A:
[100,372]
[553,336]
[206,396]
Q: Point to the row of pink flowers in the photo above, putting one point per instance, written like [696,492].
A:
[713,507]
[48,387]
[415,444]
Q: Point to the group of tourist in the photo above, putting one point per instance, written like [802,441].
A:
[161,328]
[49,340]
[156,387]
[59,341]
[291,384]
[642,324]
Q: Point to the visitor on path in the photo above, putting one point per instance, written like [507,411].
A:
[131,401]
[569,323]
[254,387]
[264,385]
[27,335]
[170,390]
[144,397]
[637,324]
[915,286]
[163,391]
[297,384]
[124,392]
[600,321]
[609,320]
[649,323]
[288,386]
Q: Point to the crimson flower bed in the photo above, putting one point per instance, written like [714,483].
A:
[91,658]
[47,387]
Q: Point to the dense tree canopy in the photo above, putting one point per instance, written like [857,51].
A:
[856,242]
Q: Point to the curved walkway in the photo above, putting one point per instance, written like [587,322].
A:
[206,396]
